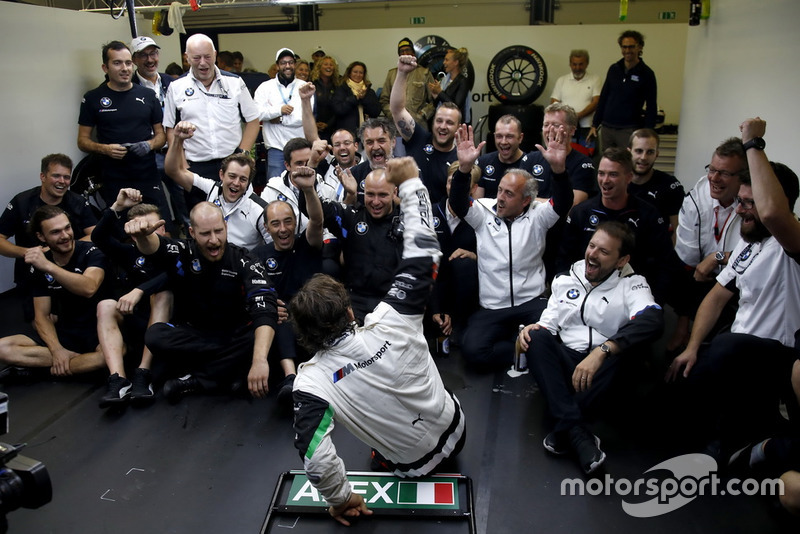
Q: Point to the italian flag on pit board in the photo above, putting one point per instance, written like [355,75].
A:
[425,493]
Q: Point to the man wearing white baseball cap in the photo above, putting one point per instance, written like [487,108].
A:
[279,104]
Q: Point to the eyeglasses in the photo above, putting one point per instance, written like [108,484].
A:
[746,203]
[725,174]
[153,54]
[286,62]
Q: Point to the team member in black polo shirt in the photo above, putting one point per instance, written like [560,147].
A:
[292,259]
[433,151]
[493,165]
[67,283]
[225,310]
[127,119]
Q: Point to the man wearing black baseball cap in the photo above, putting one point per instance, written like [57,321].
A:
[419,102]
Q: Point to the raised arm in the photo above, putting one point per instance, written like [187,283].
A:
[770,200]
[175,164]
[397,101]
[307,92]
[467,154]
[414,276]
[305,178]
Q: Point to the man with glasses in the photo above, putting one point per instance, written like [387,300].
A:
[755,360]
[630,86]
[281,110]
[708,230]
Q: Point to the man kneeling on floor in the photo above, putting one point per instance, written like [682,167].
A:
[225,310]
[596,312]
[379,380]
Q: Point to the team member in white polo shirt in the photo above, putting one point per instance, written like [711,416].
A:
[214,101]
[233,192]
[753,363]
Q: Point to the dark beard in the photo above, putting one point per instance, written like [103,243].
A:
[758,233]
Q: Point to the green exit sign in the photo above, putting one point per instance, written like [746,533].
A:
[416,21]
[667,15]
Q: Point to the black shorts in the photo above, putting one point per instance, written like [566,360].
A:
[77,340]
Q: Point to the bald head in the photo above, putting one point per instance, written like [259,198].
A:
[201,55]
[378,194]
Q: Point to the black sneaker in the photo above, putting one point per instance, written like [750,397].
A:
[587,447]
[119,390]
[557,443]
[285,388]
[142,387]
[177,388]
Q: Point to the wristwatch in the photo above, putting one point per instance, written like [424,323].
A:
[756,142]
[720,257]
[605,348]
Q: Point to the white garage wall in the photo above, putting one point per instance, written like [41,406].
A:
[50,58]
[741,63]
[664,51]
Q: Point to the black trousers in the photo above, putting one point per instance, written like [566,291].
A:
[489,339]
[215,359]
[552,364]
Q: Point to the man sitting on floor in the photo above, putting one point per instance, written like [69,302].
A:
[596,312]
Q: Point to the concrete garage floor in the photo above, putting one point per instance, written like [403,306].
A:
[210,464]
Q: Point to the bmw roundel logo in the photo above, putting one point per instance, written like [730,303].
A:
[189,91]
[105,101]
[140,261]
[428,149]
[593,220]
[497,221]
[361,185]
[573,293]
[489,170]
[436,222]
[217,203]
[49,278]
[362,227]
[281,197]
[196,265]
[272,264]
[538,170]
[745,254]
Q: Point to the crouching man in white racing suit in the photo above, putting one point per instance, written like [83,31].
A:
[378,380]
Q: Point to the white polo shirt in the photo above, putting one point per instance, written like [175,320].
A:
[768,280]
[216,112]
[578,93]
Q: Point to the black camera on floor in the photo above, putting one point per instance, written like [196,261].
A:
[24,482]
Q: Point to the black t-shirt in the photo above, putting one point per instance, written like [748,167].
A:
[492,170]
[432,163]
[288,270]
[74,312]
[662,190]
[123,117]
[14,220]
[580,170]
